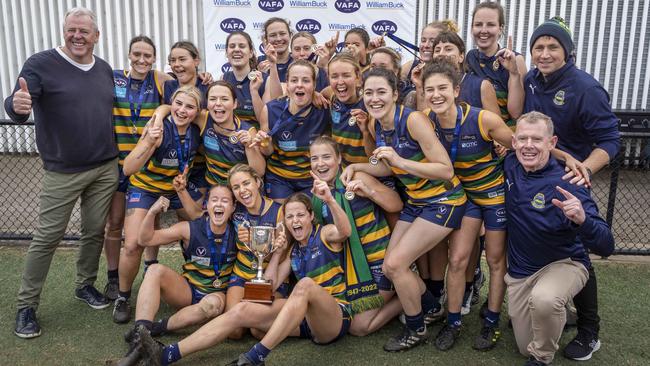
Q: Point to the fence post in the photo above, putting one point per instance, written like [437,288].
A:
[613,185]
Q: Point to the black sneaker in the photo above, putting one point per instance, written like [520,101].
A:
[487,339]
[151,349]
[446,337]
[533,362]
[121,310]
[134,354]
[484,308]
[242,360]
[112,289]
[130,335]
[434,315]
[92,297]
[406,340]
[582,347]
[26,324]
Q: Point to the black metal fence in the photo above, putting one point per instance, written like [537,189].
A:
[622,190]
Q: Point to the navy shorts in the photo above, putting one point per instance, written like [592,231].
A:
[493,216]
[437,213]
[305,332]
[277,187]
[139,198]
[383,283]
[197,177]
[123,182]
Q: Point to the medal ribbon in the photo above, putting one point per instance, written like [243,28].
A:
[410,47]
[137,108]
[300,257]
[283,123]
[183,152]
[225,243]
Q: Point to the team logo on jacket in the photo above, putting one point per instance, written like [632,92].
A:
[538,201]
[558,99]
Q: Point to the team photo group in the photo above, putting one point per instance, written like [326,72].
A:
[325,189]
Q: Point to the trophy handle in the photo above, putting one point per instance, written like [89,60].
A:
[278,227]
[247,225]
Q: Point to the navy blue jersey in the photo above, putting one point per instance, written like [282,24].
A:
[282,68]
[470,90]
[245,110]
[170,87]
[538,231]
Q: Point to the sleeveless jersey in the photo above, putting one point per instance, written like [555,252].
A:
[245,110]
[292,137]
[133,97]
[349,138]
[163,166]
[470,90]
[476,165]
[245,258]
[282,68]
[371,225]
[490,68]
[199,260]
[220,153]
[319,262]
[420,191]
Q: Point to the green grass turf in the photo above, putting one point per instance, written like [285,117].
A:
[74,334]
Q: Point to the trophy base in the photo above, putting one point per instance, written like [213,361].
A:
[258,292]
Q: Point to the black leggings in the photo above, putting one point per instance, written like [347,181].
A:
[586,303]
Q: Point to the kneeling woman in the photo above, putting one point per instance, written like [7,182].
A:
[435,205]
[316,308]
[364,200]
[164,151]
[209,250]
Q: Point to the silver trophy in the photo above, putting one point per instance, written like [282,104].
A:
[261,245]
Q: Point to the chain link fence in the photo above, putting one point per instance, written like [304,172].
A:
[622,190]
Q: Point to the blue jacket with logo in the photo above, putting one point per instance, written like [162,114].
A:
[538,231]
[579,107]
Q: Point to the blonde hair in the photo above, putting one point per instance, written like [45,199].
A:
[191,91]
[443,25]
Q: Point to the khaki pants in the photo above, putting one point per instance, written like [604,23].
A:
[59,194]
[536,305]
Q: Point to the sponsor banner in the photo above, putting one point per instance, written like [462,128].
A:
[322,18]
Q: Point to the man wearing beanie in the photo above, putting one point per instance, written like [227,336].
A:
[587,129]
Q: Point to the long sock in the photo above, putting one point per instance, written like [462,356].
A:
[453,319]
[428,283]
[428,301]
[416,322]
[146,323]
[112,274]
[159,327]
[492,318]
[258,353]
[170,354]
[468,291]
[437,287]
[125,294]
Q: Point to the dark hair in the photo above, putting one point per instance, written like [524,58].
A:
[224,84]
[494,6]
[390,77]
[394,56]
[327,140]
[275,20]
[188,46]
[218,185]
[365,37]
[305,63]
[142,38]
[453,38]
[444,67]
[252,61]
[300,198]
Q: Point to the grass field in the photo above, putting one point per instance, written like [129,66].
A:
[74,334]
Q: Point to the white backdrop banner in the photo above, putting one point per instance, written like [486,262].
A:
[322,18]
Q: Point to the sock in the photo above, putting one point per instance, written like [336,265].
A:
[481,240]
[415,322]
[437,287]
[125,294]
[170,354]
[428,301]
[428,283]
[112,274]
[146,323]
[453,319]
[148,263]
[159,328]
[258,353]
[491,318]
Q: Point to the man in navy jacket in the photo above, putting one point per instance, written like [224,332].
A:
[551,223]
[586,128]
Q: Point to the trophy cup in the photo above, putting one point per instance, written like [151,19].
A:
[261,245]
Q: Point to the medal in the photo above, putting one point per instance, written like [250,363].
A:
[373,160]
[352,121]
[349,195]
[448,185]
[254,265]
[495,65]
[134,130]
[233,139]
[217,283]
[252,75]
[314,48]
